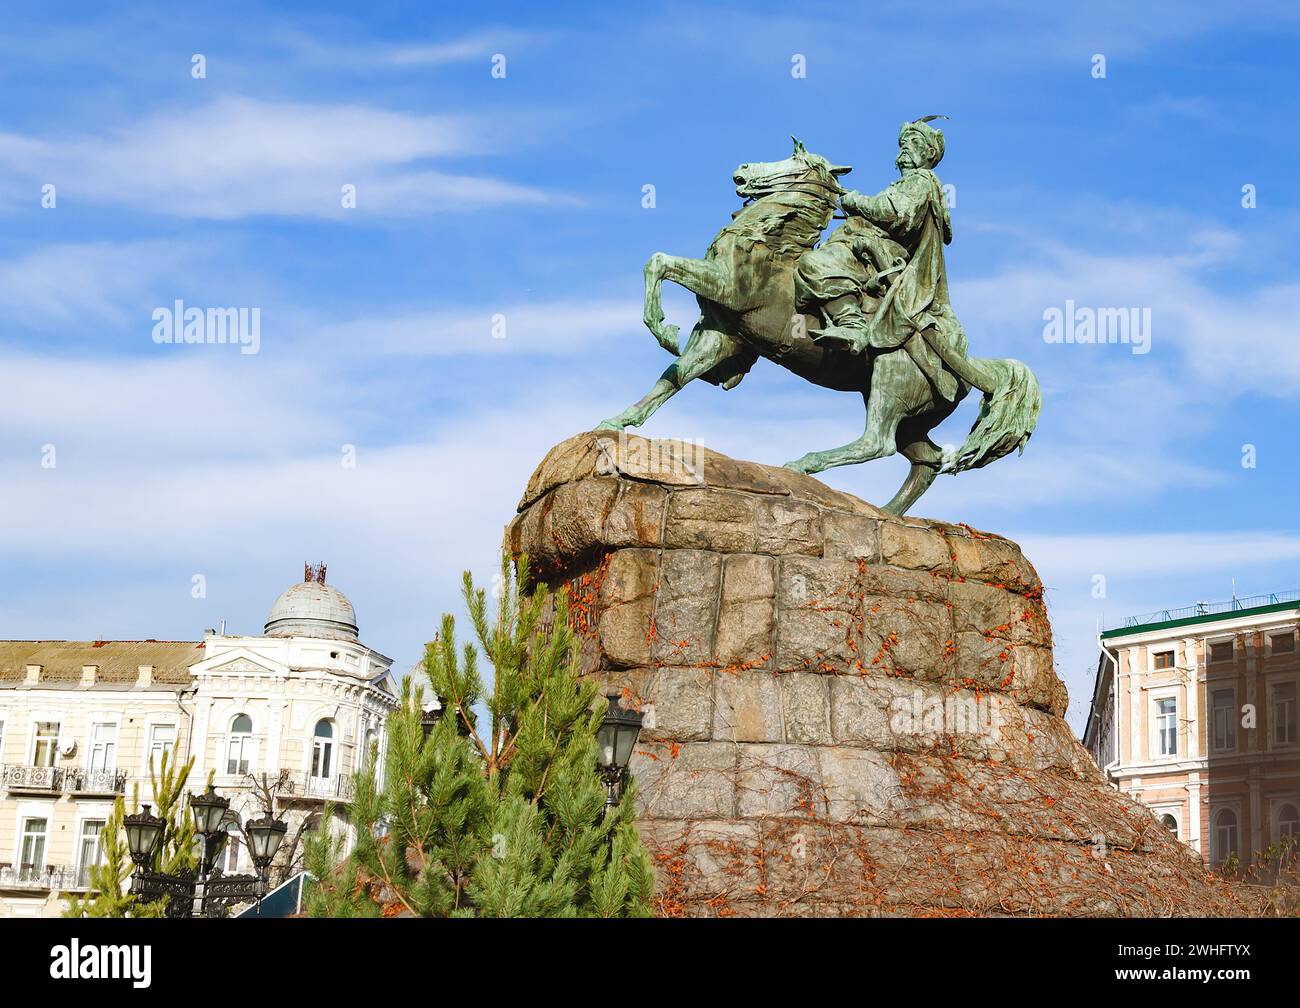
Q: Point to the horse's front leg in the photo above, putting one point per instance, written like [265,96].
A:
[705,350]
[697,275]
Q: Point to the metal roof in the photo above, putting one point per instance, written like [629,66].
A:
[118,661]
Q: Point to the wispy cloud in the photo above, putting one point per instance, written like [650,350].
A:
[237,157]
[90,284]
[1159,554]
[550,329]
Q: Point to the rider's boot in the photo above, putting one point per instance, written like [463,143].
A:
[848,328]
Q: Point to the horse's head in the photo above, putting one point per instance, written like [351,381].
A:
[802,170]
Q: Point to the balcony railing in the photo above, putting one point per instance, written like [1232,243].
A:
[57,780]
[324,788]
[1209,609]
[44,877]
[83,780]
[33,778]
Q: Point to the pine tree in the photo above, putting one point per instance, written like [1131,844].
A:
[176,853]
[505,820]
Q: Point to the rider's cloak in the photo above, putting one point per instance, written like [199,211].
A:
[912,212]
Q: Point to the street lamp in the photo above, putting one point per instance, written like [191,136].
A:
[216,892]
[614,741]
[209,810]
[264,838]
[143,835]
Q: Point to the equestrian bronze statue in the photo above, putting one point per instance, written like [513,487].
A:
[866,311]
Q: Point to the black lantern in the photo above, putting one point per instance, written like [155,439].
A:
[264,838]
[144,833]
[209,811]
[615,740]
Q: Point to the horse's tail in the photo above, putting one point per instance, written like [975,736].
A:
[1007,417]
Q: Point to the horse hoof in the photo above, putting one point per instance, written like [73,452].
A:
[795,467]
[608,425]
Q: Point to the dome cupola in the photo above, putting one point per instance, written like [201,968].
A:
[313,608]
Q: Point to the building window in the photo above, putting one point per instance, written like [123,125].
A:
[162,742]
[1170,823]
[1225,835]
[1221,651]
[231,856]
[1284,713]
[89,851]
[1167,726]
[46,746]
[1288,823]
[1282,643]
[239,747]
[322,749]
[1163,659]
[103,746]
[32,864]
[1224,720]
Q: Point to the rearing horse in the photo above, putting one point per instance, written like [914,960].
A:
[746,292]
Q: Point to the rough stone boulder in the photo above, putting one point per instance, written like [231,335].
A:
[846,712]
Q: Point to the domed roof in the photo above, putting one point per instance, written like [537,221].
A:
[312,609]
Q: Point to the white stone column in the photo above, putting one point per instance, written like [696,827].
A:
[199,739]
[277,703]
[1139,751]
[1193,698]
[1194,800]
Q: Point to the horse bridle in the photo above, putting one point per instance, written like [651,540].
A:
[800,178]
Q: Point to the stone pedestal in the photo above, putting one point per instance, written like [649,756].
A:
[846,712]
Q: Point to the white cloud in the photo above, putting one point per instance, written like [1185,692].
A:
[204,403]
[361,55]
[1235,340]
[563,327]
[237,157]
[90,284]
[1160,554]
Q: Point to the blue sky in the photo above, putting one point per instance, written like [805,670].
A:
[521,196]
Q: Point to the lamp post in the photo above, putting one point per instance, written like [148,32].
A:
[615,739]
[216,892]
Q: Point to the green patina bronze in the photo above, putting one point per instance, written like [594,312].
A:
[867,312]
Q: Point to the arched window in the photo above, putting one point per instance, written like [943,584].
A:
[322,749]
[232,855]
[1225,835]
[1170,823]
[1288,823]
[239,745]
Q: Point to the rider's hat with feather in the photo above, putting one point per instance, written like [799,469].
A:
[932,137]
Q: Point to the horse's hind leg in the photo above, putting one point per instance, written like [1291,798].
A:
[925,457]
[705,350]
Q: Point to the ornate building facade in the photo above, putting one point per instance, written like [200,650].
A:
[1194,714]
[304,703]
